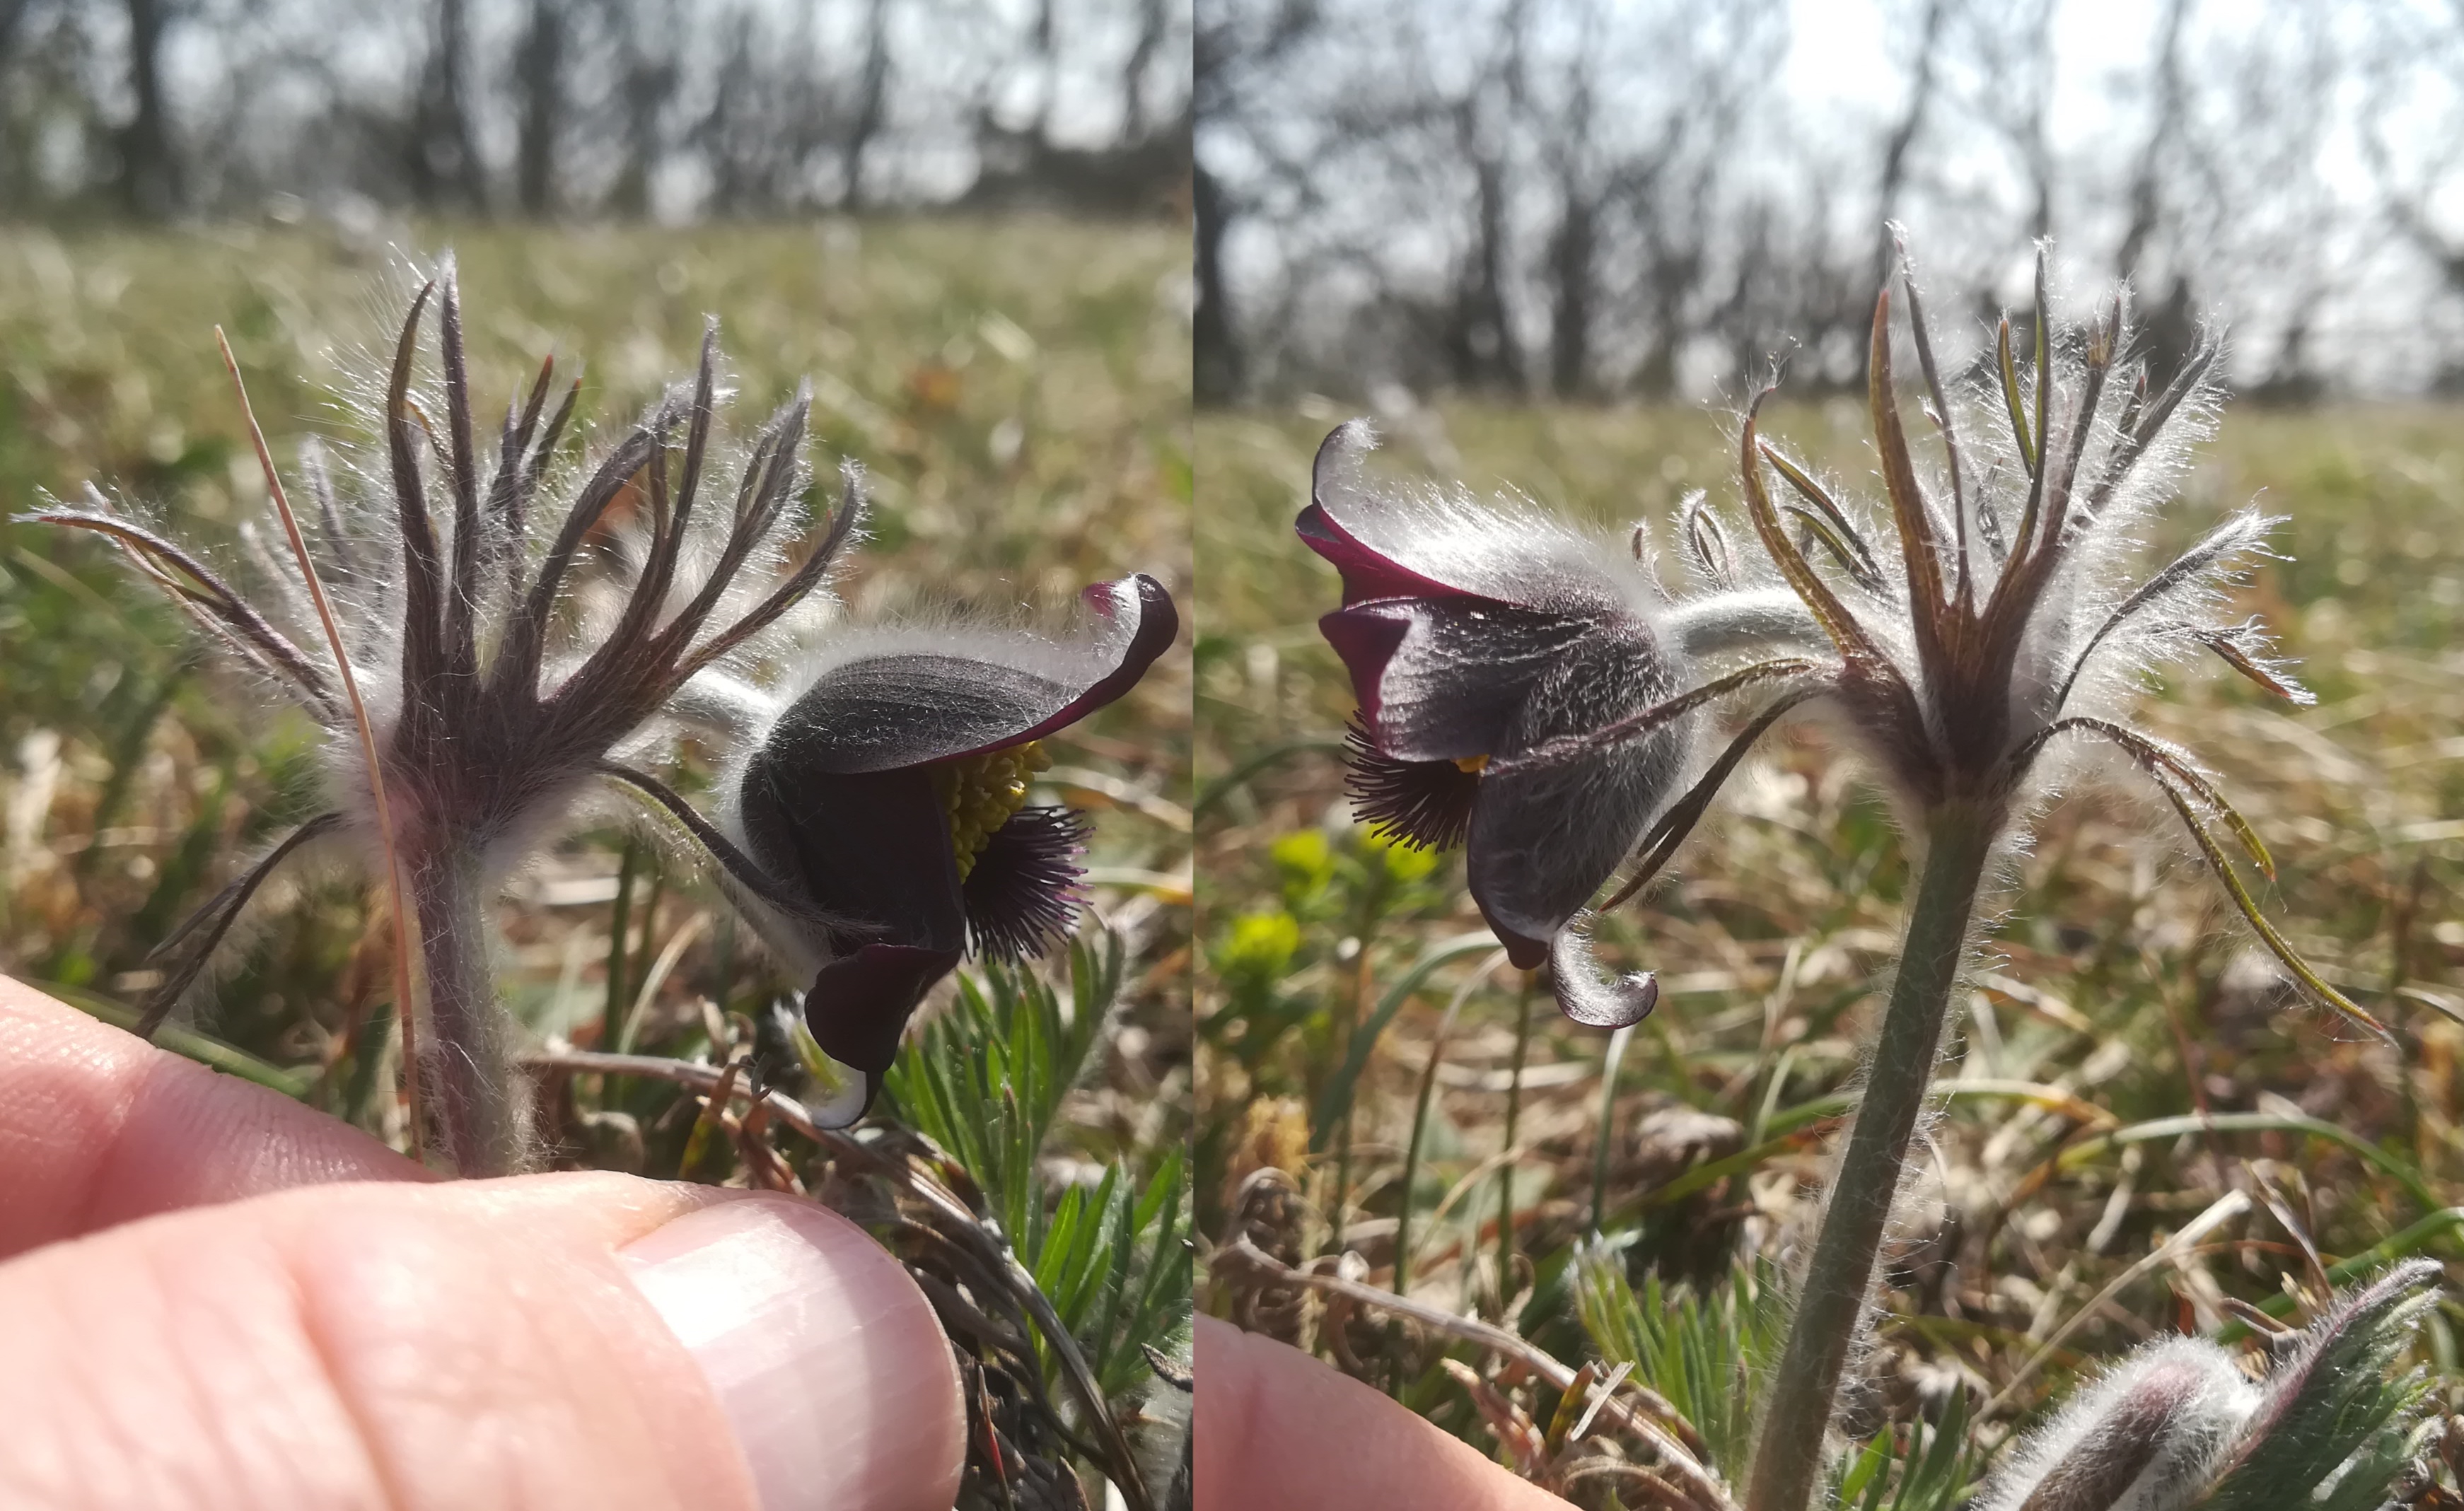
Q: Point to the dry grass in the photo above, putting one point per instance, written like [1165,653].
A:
[2120,992]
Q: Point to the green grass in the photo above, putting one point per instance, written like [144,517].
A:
[2120,993]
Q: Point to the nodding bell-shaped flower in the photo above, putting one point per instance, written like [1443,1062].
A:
[487,707]
[886,803]
[1476,635]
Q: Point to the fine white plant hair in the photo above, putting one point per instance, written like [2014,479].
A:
[2147,1435]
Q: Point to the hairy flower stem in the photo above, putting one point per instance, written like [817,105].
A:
[1831,1301]
[474,1096]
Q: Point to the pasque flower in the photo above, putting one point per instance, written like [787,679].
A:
[1532,691]
[2001,612]
[1480,636]
[889,799]
[492,682]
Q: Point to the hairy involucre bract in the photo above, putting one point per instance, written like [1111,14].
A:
[2143,1437]
[2179,1423]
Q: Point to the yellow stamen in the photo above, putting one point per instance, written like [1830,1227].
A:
[979,793]
[1471,765]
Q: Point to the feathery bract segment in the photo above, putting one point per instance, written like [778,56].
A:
[2002,607]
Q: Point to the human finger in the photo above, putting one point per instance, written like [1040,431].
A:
[580,1340]
[1277,1428]
[99,1127]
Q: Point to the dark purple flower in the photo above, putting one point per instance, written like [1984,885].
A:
[1477,635]
[890,799]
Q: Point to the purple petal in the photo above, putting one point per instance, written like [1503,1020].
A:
[1143,622]
[860,1003]
[904,697]
[870,851]
[1544,838]
[1397,541]
[1583,997]
[1364,640]
[1444,681]
[1523,952]
[1367,574]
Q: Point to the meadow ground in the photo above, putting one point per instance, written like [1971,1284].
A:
[1358,1031]
[1018,391]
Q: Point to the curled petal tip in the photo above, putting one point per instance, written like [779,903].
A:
[1346,442]
[860,1003]
[1144,602]
[1145,607]
[1337,463]
[840,1098]
[1583,997]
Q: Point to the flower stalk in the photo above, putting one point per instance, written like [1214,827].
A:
[477,1102]
[1958,839]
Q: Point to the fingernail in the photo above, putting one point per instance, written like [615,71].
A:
[824,1354]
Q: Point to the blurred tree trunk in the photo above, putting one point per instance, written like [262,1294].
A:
[149,171]
[1573,264]
[542,73]
[1674,272]
[1133,73]
[2011,61]
[650,79]
[11,11]
[2035,140]
[1217,377]
[443,163]
[1481,339]
[1574,249]
[871,96]
[2163,121]
[1040,47]
[2172,326]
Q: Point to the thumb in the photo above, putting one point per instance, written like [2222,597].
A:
[550,1341]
